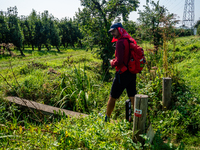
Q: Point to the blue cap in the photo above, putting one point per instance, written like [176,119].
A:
[116,25]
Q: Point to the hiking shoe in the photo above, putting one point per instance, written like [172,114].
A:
[107,119]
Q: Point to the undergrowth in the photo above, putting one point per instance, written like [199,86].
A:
[75,82]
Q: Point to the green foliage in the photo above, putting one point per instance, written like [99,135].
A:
[187,52]
[15,33]
[4,31]
[37,30]
[130,27]
[197,24]
[78,91]
[85,133]
[69,32]
[183,32]
[69,76]
[10,31]
[95,20]
[198,30]
[154,22]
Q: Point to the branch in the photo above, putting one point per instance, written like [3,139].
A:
[98,6]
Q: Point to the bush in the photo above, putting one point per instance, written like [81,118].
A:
[198,30]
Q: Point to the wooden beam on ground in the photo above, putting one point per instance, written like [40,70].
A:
[43,107]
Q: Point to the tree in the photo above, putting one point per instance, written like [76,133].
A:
[197,24]
[198,30]
[33,19]
[130,27]
[24,24]
[64,32]
[40,26]
[95,20]
[38,33]
[15,33]
[152,19]
[4,32]
[69,32]
[54,35]
[45,18]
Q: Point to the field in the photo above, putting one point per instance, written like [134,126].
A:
[72,79]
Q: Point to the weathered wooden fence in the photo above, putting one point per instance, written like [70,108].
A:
[140,111]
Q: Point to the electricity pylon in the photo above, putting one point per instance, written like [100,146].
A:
[188,14]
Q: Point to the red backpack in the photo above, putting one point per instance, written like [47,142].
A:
[137,59]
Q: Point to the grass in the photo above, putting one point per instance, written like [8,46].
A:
[72,79]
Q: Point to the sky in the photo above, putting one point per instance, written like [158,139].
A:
[68,8]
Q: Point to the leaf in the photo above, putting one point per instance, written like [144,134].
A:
[8,136]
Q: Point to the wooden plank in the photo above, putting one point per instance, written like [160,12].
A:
[43,107]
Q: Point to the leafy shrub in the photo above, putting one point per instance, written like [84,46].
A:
[198,30]
[31,66]
[78,92]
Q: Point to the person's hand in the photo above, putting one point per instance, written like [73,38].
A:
[111,61]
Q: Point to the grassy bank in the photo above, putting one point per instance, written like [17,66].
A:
[72,79]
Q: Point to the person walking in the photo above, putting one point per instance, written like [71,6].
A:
[123,78]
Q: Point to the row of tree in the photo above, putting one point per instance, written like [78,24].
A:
[37,30]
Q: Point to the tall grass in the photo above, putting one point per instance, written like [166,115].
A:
[78,91]
[74,82]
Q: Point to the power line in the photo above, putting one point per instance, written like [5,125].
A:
[166,3]
[171,4]
[177,5]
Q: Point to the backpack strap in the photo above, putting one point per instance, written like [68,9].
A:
[129,52]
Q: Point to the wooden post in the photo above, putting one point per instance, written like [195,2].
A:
[166,93]
[140,111]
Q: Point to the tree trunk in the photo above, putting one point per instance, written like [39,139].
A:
[32,47]
[4,48]
[80,43]
[47,47]
[22,54]
[57,48]
[63,44]
[39,47]
[23,46]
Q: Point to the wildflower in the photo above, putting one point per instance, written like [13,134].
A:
[20,129]
[47,128]
[66,134]
[31,129]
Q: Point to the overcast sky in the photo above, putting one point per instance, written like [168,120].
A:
[67,8]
